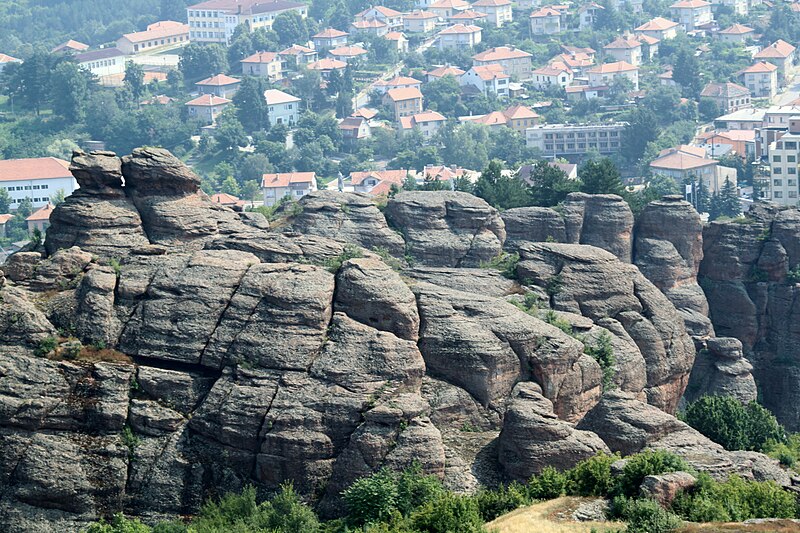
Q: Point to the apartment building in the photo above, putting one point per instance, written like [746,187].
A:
[405,101]
[692,14]
[545,21]
[762,79]
[783,160]
[561,140]
[214,21]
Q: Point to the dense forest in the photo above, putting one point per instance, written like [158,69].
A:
[27,23]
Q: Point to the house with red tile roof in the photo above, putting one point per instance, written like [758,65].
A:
[206,108]
[264,65]
[762,79]
[459,37]
[296,56]
[419,22]
[228,200]
[219,85]
[428,123]
[329,38]
[7,60]
[498,11]
[604,75]
[692,14]
[38,179]
[487,79]
[738,33]
[391,18]
[515,62]
[554,74]
[354,128]
[348,54]
[687,163]
[444,9]
[625,49]
[39,220]
[405,101]
[369,27]
[368,181]
[441,72]
[545,21]
[70,46]
[781,54]
[293,185]
[587,15]
[326,66]
[398,82]
[728,96]
[659,28]
[469,17]
[399,39]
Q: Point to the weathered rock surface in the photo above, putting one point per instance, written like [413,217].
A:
[601,220]
[447,229]
[532,224]
[663,488]
[722,370]
[591,282]
[345,217]
[534,437]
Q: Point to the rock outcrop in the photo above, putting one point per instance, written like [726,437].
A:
[161,348]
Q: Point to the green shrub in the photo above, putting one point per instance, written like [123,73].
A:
[603,352]
[734,500]
[549,484]
[118,524]
[46,346]
[501,500]
[645,516]
[506,263]
[388,258]
[726,421]
[793,276]
[372,498]
[552,318]
[788,452]
[285,513]
[643,464]
[349,252]
[415,489]
[592,477]
[554,285]
[449,513]
[130,440]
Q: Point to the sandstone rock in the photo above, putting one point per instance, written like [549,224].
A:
[606,221]
[61,270]
[23,327]
[21,266]
[446,228]
[369,291]
[98,172]
[722,370]
[181,391]
[592,282]
[280,247]
[156,172]
[664,487]
[532,224]
[533,436]
[484,281]
[346,217]
[486,346]
[95,320]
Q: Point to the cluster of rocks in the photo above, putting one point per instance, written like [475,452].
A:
[249,352]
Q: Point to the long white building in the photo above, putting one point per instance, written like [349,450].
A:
[39,179]
[575,139]
[214,21]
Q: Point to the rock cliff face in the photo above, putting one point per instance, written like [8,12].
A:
[750,275]
[220,350]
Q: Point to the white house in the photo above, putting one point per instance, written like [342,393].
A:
[459,37]
[102,63]
[498,11]
[283,107]
[587,14]
[393,19]
[552,75]
[263,64]
[692,14]
[604,75]
[294,185]
[428,122]
[488,79]
[39,179]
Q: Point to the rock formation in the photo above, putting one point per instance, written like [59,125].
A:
[160,348]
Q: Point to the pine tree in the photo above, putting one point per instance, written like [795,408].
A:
[601,177]
[550,185]
[702,202]
[730,206]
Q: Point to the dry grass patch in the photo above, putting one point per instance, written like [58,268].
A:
[552,516]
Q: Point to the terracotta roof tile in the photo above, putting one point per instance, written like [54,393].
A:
[33,168]
[271,181]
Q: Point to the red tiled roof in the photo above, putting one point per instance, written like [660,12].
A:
[737,29]
[261,57]
[609,68]
[779,49]
[220,80]
[499,53]
[347,51]
[43,213]
[327,63]
[545,12]
[458,29]
[404,93]
[34,168]
[208,100]
[446,70]
[759,67]
[271,181]
[689,4]
[330,33]
[657,24]
[383,10]
[158,30]
[390,176]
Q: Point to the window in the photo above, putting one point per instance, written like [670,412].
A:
[776,159]
[777,194]
[791,159]
[777,170]
[777,183]
[792,194]
[792,170]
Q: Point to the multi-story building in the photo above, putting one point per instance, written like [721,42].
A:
[625,49]
[219,85]
[419,22]
[293,185]
[520,118]
[659,28]
[163,34]
[728,96]
[459,37]
[326,66]
[297,56]
[405,101]
[445,70]
[561,140]
[781,54]
[206,108]
[498,11]
[329,38]
[348,54]
[555,74]
[39,220]
[428,122]
[38,179]
[587,15]
[545,21]
[762,79]
[515,62]
[783,160]
[469,18]
[487,79]
[739,7]
[283,108]
[738,33]
[264,65]
[214,21]
[393,19]
[444,9]
[691,163]
[369,27]
[744,119]
[774,124]
[691,14]
[398,82]
[399,40]
[604,75]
